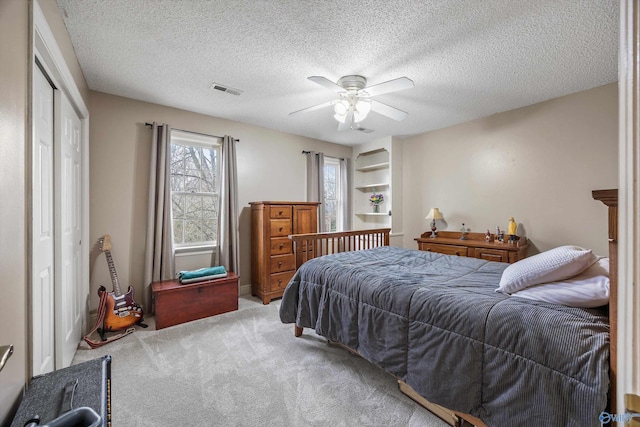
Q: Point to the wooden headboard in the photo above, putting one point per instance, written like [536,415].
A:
[610,198]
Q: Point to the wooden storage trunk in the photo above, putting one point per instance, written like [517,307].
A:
[175,303]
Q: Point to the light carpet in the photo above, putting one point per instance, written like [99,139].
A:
[246,368]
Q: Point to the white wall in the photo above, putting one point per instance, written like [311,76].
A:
[538,164]
[270,167]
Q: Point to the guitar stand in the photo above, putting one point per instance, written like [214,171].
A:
[103,332]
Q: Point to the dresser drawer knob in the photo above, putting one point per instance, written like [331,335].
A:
[279,263]
[279,281]
[280,213]
[280,229]
[281,246]
[457,253]
[428,249]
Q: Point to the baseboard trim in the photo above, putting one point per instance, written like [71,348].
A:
[245,289]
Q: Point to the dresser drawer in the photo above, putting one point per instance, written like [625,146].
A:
[281,246]
[281,263]
[444,249]
[280,281]
[281,212]
[280,227]
[496,255]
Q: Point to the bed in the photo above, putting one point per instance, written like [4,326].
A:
[438,325]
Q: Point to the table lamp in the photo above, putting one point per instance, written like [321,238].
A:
[434,214]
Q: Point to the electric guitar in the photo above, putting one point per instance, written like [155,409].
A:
[121,310]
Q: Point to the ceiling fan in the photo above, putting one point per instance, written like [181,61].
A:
[354,101]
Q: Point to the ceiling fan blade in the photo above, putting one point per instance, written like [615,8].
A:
[347,123]
[315,107]
[389,86]
[389,111]
[323,81]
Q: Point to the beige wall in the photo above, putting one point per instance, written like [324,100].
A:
[270,167]
[15,70]
[14,54]
[538,164]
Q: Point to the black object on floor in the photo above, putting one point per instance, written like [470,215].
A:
[55,399]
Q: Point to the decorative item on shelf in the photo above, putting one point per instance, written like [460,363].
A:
[376,200]
[487,236]
[513,229]
[463,232]
[498,234]
[434,214]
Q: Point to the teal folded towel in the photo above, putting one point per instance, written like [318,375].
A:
[203,272]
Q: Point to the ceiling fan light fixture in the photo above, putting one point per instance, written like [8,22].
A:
[341,118]
[363,107]
[353,104]
[361,110]
[341,107]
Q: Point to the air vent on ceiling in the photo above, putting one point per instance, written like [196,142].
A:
[226,89]
[364,130]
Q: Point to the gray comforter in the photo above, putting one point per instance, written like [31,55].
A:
[436,322]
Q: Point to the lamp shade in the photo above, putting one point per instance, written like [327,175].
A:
[362,108]
[434,213]
[341,107]
[359,107]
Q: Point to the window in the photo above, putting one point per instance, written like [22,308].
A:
[332,203]
[195,188]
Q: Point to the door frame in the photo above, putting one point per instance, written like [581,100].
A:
[51,59]
[628,204]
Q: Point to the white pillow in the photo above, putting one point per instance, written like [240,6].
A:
[550,266]
[587,289]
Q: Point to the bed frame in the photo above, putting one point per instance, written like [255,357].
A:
[308,246]
[312,245]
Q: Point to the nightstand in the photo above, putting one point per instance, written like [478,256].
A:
[475,246]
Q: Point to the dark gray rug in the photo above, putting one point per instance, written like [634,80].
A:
[246,368]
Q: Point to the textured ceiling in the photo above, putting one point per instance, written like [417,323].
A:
[468,59]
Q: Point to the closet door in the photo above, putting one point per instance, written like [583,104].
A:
[43,271]
[68,225]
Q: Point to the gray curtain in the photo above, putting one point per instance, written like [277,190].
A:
[159,258]
[227,253]
[315,183]
[345,193]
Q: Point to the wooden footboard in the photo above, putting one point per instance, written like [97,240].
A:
[312,245]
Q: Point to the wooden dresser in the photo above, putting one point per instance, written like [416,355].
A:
[475,246]
[272,260]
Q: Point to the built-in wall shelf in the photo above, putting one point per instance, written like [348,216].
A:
[368,187]
[373,167]
[372,175]
[374,213]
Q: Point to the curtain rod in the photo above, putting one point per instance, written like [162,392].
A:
[331,157]
[198,133]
